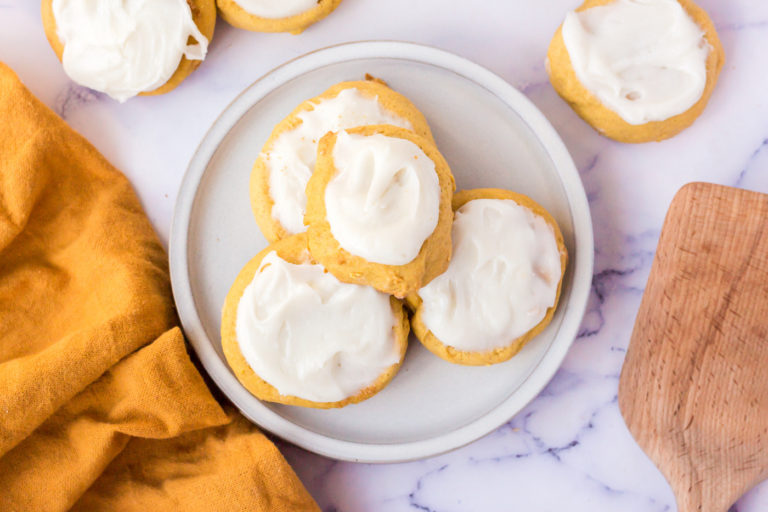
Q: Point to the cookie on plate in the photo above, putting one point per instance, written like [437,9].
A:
[275,15]
[129,48]
[379,208]
[636,71]
[287,160]
[294,334]
[503,283]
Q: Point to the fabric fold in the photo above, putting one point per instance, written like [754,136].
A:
[100,406]
[223,469]
[153,393]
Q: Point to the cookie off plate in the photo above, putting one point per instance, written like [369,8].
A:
[491,136]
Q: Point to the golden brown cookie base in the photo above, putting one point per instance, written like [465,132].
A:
[238,17]
[397,280]
[294,250]
[393,102]
[203,14]
[606,121]
[501,354]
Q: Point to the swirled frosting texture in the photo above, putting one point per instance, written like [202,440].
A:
[125,47]
[311,336]
[384,200]
[275,9]
[502,278]
[643,59]
[291,159]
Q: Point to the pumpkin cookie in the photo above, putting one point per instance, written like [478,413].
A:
[287,160]
[636,71]
[275,15]
[502,285]
[293,334]
[149,47]
[379,208]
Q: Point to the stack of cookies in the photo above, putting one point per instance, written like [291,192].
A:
[368,240]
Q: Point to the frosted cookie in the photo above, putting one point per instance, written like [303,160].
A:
[275,15]
[131,47]
[379,208]
[294,334]
[287,160]
[637,71]
[502,285]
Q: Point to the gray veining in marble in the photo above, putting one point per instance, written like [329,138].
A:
[569,449]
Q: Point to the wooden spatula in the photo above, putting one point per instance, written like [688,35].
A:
[694,387]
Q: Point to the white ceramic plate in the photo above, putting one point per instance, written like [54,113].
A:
[492,136]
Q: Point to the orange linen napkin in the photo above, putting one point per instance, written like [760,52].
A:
[100,406]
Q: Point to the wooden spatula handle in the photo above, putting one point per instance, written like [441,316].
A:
[700,502]
[693,388]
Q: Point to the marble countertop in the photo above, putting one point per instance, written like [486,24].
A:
[569,449]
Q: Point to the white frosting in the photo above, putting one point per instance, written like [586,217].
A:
[502,278]
[124,47]
[291,160]
[643,59]
[384,199]
[310,335]
[275,9]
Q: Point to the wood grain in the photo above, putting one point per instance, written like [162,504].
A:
[694,387]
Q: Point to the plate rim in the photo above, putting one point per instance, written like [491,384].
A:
[540,375]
